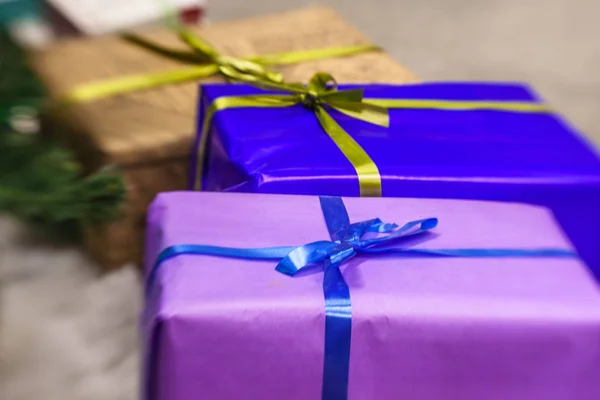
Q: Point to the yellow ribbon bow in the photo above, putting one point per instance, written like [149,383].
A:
[208,61]
[322,94]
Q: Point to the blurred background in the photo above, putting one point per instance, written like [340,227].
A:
[553,44]
[67,331]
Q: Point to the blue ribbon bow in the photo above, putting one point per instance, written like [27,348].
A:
[347,241]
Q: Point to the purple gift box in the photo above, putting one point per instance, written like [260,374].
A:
[528,157]
[422,328]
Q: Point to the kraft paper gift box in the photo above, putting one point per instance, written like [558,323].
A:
[530,156]
[148,134]
[422,326]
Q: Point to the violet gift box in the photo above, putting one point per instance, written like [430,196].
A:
[422,328]
[481,155]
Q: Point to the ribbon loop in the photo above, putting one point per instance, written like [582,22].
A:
[320,83]
[304,256]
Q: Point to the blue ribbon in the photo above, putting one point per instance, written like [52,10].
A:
[347,241]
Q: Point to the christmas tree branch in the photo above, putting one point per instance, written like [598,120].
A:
[41,182]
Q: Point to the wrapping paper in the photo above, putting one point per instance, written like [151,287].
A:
[438,328]
[482,155]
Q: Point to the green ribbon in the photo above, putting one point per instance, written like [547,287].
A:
[207,62]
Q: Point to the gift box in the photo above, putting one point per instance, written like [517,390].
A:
[148,134]
[492,303]
[480,141]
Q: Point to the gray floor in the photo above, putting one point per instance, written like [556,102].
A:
[67,333]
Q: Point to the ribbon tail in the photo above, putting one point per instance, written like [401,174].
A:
[338,334]
[369,178]
[106,88]
[338,307]
[293,57]
[370,113]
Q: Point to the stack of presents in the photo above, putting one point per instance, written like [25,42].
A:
[380,238]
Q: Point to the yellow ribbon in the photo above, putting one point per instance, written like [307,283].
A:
[208,62]
[319,96]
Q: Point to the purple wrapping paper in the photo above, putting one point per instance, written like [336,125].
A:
[422,329]
[480,155]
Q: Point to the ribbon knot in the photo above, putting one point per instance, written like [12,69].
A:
[348,239]
[310,100]
[321,90]
[233,68]
[355,245]
[320,93]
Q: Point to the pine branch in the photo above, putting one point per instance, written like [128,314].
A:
[41,183]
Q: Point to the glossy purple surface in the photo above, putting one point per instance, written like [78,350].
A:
[422,329]
[482,155]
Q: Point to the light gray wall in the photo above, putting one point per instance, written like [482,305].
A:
[552,44]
